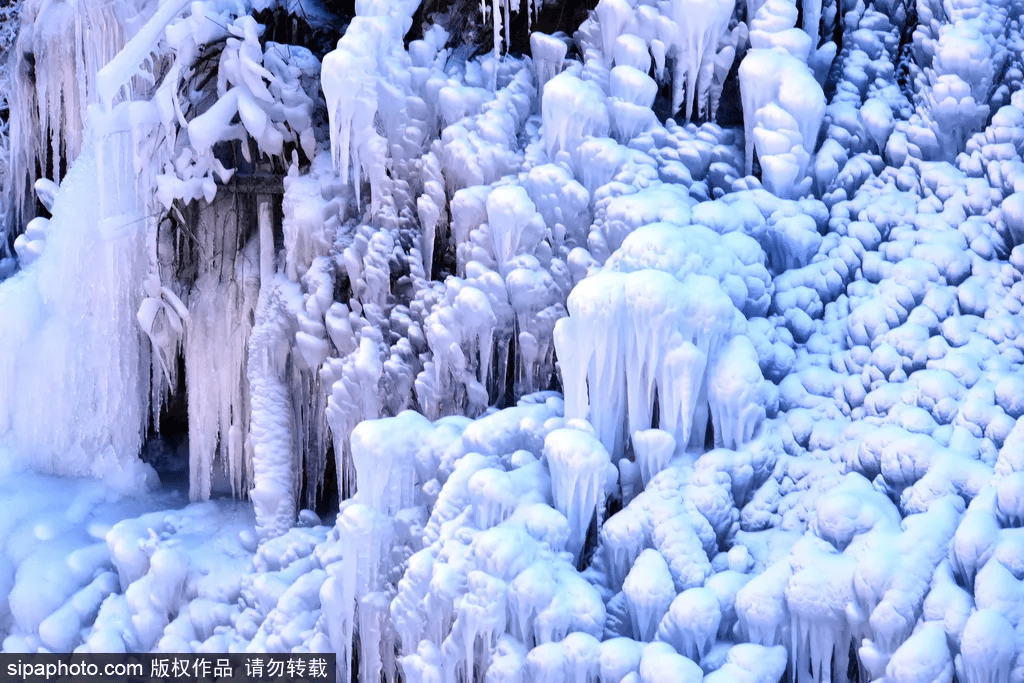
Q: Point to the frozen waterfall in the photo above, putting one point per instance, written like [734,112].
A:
[514,342]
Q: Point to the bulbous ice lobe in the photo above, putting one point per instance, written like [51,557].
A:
[783,106]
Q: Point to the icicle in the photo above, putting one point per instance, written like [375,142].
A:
[572,110]
[480,620]
[305,234]
[496,23]
[548,55]
[736,394]
[514,221]
[216,352]
[649,590]
[63,46]
[579,465]
[338,599]
[373,627]
[700,24]
[352,596]
[384,454]
[691,623]
[429,213]
[597,303]
[622,538]
[653,449]
[770,78]
[354,394]
[614,18]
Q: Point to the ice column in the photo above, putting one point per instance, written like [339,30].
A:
[274,457]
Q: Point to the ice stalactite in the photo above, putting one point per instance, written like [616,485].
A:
[819,625]
[351,594]
[350,81]
[691,622]
[548,53]
[653,449]
[572,109]
[700,26]
[694,34]
[614,18]
[593,369]
[352,103]
[306,236]
[384,454]
[522,253]
[310,228]
[649,591]
[987,648]
[504,249]
[359,590]
[666,334]
[460,335]
[514,222]
[632,94]
[354,389]
[736,394]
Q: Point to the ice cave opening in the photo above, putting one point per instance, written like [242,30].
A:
[517,342]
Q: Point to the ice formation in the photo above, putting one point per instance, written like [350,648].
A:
[483,367]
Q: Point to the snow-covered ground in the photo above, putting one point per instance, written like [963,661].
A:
[607,394]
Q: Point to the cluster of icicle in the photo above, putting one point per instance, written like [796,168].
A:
[115,344]
[276,368]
